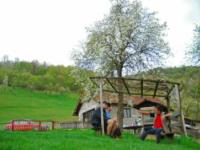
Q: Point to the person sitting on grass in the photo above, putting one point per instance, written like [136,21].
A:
[113,129]
[158,126]
[110,124]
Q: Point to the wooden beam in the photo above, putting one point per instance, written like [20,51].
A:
[156,88]
[179,105]
[168,104]
[13,124]
[170,90]
[112,85]
[143,85]
[128,91]
[145,80]
[145,88]
[142,94]
[168,109]
[156,95]
[137,94]
[101,106]
[95,83]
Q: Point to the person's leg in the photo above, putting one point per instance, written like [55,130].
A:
[146,128]
[109,127]
[112,125]
[95,126]
[158,134]
[105,126]
[146,132]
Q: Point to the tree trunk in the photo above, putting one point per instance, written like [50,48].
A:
[198,104]
[120,102]
[120,113]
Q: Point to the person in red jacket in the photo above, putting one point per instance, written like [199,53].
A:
[157,127]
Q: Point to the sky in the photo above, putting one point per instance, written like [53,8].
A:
[50,30]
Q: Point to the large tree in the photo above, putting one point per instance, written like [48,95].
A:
[129,38]
[194,53]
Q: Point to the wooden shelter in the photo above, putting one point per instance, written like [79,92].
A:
[143,88]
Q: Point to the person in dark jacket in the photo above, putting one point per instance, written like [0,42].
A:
[96,117]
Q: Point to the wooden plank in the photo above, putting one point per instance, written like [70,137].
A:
[53,125]
[142,88]
[156,88]
[112,85]
[136,94]
[149,89]
[39,126]
[160,90]
[126,86]
[182,121]
[168,109]
[95,82]
[13,123]
[101,103]
[170,90]
[145,80]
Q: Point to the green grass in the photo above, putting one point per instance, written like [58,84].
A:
[86,140]
[17,103]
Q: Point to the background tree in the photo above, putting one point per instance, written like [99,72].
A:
[42,77]
[5,58]
[194,52]
[129,38]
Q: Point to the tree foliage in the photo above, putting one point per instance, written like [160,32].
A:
[189,79]
[129,38]
[43,77]
[194,53]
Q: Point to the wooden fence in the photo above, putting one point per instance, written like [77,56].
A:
[43,125]
[73,125]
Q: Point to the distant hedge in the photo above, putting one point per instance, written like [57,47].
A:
[43,77]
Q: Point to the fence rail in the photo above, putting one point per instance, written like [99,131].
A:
[45,125]
[42,125]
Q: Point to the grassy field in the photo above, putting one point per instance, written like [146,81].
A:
[86,140]
[17,103]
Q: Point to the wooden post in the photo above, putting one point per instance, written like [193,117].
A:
[168,104]
[53,125]
[39,125]
[142,92]
[101,106]
[156,88]
[143,120]
[168,109]
[179,105]
[13,123]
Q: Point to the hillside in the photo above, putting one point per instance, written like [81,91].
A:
[18,103]
[43,77]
